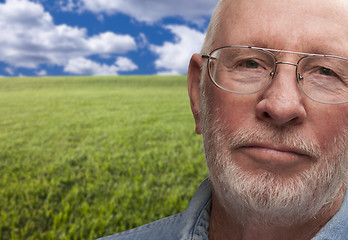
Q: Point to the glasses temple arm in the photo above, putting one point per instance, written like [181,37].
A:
[208,57]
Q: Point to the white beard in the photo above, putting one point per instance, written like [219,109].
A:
[267,198]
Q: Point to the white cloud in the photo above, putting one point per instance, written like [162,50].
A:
[9,70]
[124,64]
[68,5]
[84,66]
[29,38]
[142,40]
[173,57]
[41,73]
[151,11]
[109,42]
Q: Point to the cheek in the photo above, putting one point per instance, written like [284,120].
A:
[233,110]
[329,123]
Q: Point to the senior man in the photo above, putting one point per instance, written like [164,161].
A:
[269,95]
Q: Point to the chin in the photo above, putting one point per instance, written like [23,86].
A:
[268,198]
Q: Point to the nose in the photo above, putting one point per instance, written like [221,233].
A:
[281,103]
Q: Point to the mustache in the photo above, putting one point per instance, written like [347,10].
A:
[269,135]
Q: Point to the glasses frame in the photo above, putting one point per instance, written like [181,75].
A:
[270,51]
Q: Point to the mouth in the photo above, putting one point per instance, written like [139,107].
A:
[275,154]
[278,148]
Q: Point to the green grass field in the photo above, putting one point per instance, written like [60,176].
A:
[85,157]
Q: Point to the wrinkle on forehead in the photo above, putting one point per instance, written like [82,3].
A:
[288,25]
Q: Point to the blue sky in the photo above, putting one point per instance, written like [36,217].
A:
[100,37]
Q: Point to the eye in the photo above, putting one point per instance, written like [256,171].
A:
[250,64]
[327,72]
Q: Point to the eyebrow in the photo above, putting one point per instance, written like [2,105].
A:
[324,51]
[317,49]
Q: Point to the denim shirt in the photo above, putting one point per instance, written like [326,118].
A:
[193,223]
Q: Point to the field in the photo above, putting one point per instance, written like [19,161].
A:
[85,157]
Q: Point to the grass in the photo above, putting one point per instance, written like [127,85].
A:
[85,157]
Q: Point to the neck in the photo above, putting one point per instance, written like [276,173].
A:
[225,225]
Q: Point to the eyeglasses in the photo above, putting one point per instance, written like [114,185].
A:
[248,70]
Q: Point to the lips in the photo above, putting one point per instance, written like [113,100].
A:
[275,154]
[278,148]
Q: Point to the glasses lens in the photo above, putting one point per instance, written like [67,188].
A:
[324,79]
[241,70]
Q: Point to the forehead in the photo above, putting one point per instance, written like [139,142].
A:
[300,25]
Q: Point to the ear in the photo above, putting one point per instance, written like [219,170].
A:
[193,84]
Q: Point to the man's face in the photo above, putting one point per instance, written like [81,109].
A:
[277,150]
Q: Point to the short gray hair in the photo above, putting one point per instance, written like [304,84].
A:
[210,39]
[211,32]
